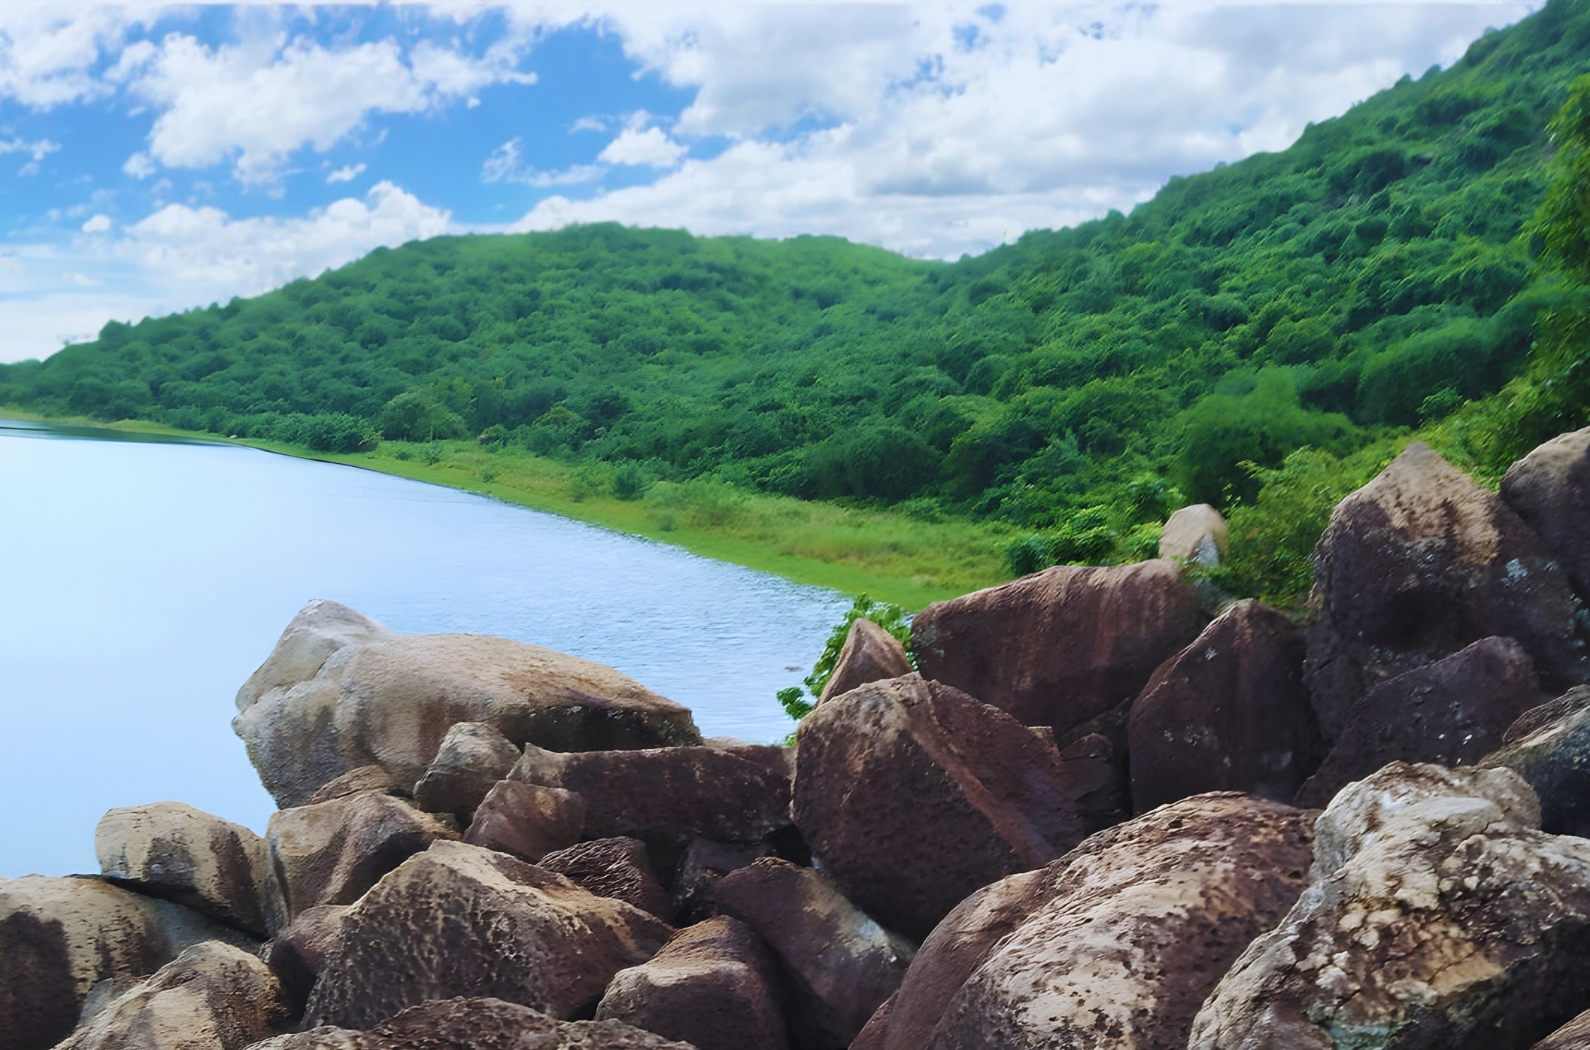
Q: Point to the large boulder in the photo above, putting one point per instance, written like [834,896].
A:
[1550,489]
[214,996]
[473,756]
[480,1023]
[1420,563]
[331,852]
[870,654]
[1117,943]
[1227,713]
[1437,916]
[1061,647]
[1197,534]
[61,937]
[298,953]
[1452,713]
[912,794]
[714,986]
[1575,1035]
[1549,746]
[172,850]
[527,820]
[616,867]
[841,964]
[385,699]
[461,920]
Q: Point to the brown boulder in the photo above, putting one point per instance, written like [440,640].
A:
[870,654]
[214,996]
[527,820]
[841,963]
[298,953]
[1437,916]
[59,938]
[473,756]
[1227,713]
[912,795]
[615,868]
[1550,489]
[388,700]
[460,920]
[1549,746]
[1418,564]
[174,851]
[1575,1035]
[1117,943]
[354,781]
[331,852]
[1452,713]
[703,864]
[714,986]
[1062,646]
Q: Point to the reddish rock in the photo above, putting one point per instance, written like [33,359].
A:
[331,852]
[842,965]
[615,868]
[870,654]
[298,953]
[714,986]
[1227,713]
[1117,943]
[1452,712]
[913,794]
[1062,646]
[703,864]
[1550,489]
[423,933]
[527,820]
[1549,746]
[1420,563]
[472,758]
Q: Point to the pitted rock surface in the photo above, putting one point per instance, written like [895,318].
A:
[1062,646]
[870,654]
[1550,489]
[472,758]
[527,820]
[913,794]
[616,867]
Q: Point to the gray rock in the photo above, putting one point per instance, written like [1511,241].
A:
[870,654]
[172,850]
[472,758]
[1550,489]
[1550,749]
[527,820]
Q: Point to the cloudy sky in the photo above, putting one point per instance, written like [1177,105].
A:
[159,157]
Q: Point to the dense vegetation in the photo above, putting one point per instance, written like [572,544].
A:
[1374,278]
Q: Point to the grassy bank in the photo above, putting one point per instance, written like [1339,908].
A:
[889,555]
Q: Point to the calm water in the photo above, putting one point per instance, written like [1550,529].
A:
[143,582]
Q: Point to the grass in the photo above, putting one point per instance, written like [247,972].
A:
[886,554]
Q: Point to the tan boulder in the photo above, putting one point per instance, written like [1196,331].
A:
[1550,489]
[870,654]
[1061,647]
[458,920]
[1575,1035]
[1197,534]
[1437,915]
[473,756]
[527,820]
[389,700]
[320,629]
[214,996]
[172,850]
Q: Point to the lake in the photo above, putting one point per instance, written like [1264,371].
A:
[144,581]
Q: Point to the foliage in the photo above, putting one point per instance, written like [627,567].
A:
[891,618]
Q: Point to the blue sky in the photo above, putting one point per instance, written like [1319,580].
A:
[156,158]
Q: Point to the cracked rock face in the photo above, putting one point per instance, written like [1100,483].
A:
[1438,916]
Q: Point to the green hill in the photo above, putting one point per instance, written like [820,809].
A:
[1370,279]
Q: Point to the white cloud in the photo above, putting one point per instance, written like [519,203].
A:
[506,164]
[37,151]
[139,166]
[48,53]
[345,174]
[649,147]
[98,224]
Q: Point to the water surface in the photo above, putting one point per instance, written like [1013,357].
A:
[142,581]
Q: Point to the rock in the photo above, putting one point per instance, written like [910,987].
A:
[476,1024]
[1437,916]
[61,937]
[870,654]
[1062,646]
[174,851]
[298,953]
[842,964]
[1549,747]
[1115,944]
[704,863]
[1227,713]
[1452,712]
[1418,564]
[332,852]
[1575,1035]
[527,820]
[912,795]
[1550,489]
[214,996]
[876,1029]
[615,868]
[419,935]
[714,986]
[365,778]
[472,758]
[388,700]
[1196,534]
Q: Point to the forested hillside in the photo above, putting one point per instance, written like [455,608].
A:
[1374,276]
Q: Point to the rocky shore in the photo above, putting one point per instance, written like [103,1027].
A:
[1106,810]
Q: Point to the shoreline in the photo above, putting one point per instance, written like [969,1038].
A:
[769,541]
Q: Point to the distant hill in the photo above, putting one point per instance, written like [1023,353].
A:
[1368,278]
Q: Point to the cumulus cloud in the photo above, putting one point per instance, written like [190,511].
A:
[48,53]
[346,173]
[648,147]
[98,224]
